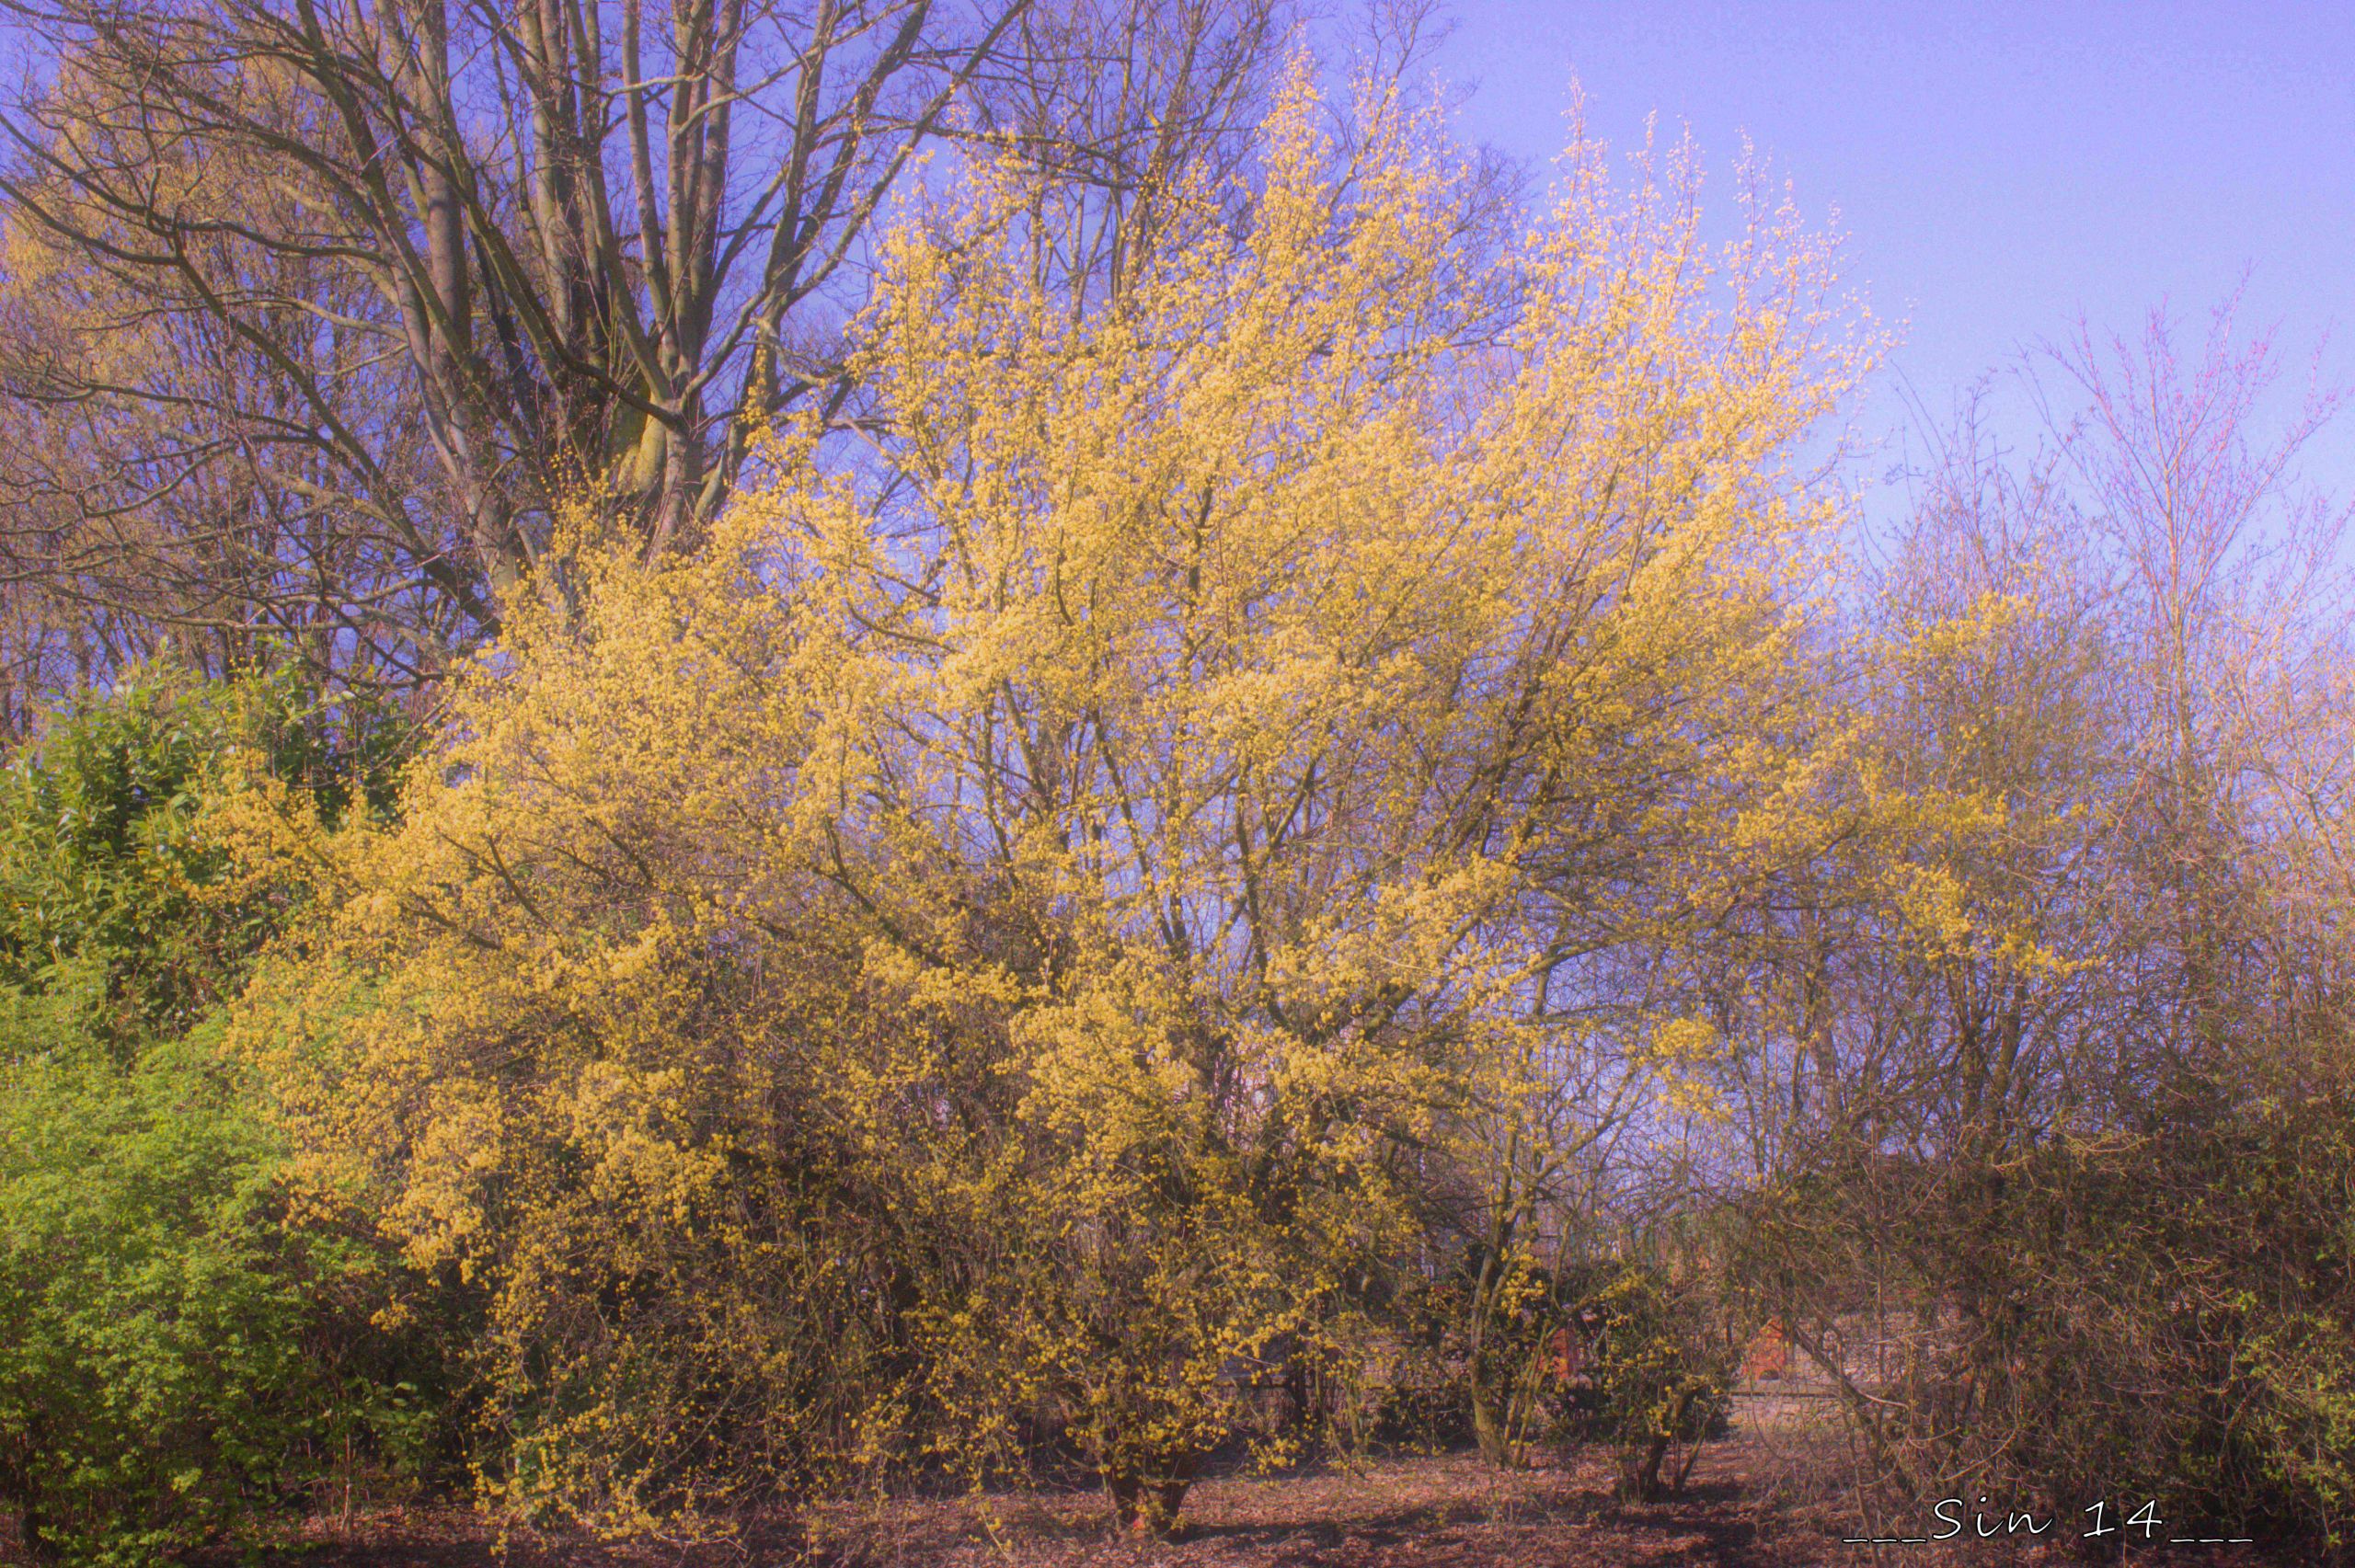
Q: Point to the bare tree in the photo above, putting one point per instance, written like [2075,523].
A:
[164,481]
[2228,586]
[590,233]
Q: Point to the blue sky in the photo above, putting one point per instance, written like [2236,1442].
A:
[1995,166]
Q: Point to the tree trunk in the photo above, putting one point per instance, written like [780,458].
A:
[1145,1501]
[1639,1472]
[1489,1424]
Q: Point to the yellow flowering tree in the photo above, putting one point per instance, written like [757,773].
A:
[987,940]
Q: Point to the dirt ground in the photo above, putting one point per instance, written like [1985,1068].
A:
[1409,1513]
[1757,1500]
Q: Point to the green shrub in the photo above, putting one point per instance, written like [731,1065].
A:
[155,1383]
[112,861]
[179,1357]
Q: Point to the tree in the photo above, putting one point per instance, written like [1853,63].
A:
[2227,589]
[313,316]
[171,489]
[1137,802]
[2005,1033]
[639,208]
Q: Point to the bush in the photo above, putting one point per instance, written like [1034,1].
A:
[143,837]
[2167,1311]
[157,1384]
[179,1354]
[2213,1258]
[1658,1388]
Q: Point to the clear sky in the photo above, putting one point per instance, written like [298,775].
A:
[1996,167]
